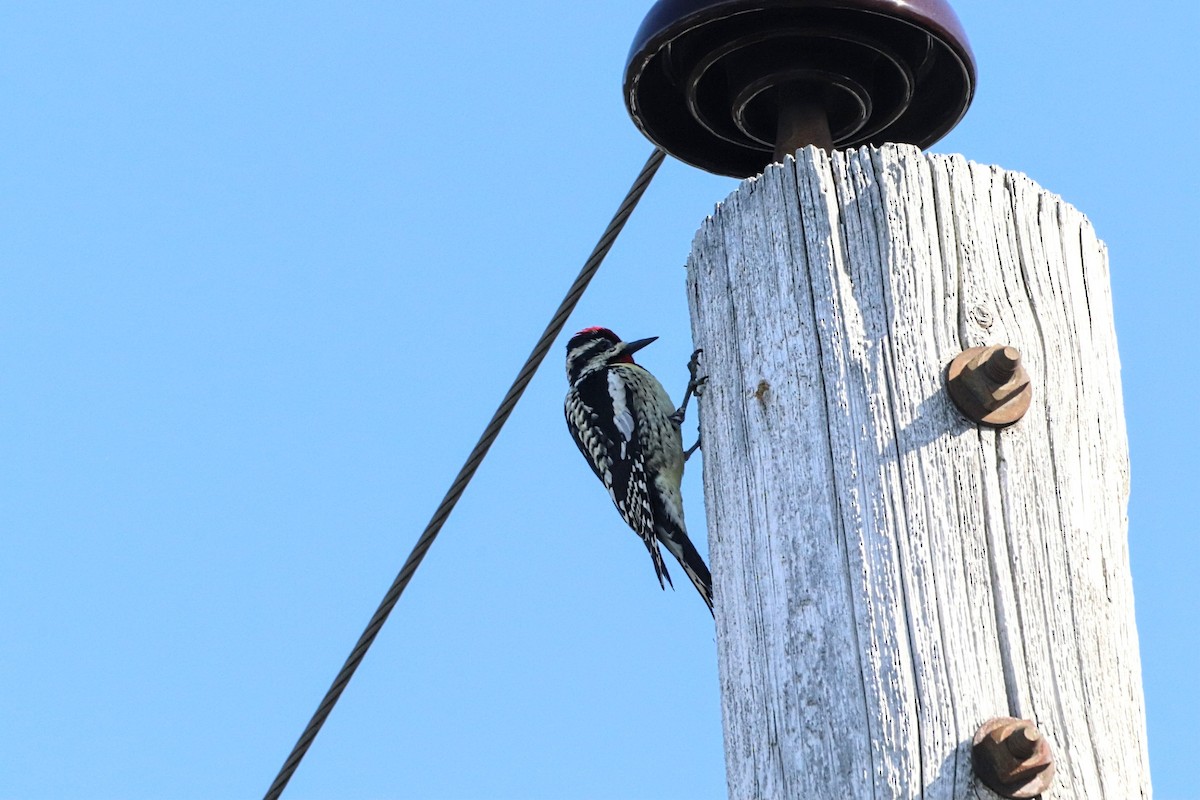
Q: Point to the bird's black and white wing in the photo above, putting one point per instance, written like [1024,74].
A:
[601,419]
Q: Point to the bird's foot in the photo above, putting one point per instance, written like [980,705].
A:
[695,387]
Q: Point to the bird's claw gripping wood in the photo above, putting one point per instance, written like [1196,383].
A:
[695,388]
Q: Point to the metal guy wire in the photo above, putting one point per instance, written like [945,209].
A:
[481,448]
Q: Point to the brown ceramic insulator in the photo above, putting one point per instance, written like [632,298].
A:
[720,83]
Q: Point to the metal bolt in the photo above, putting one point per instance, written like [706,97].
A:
[1012,758]
[989,385]
[1023,741]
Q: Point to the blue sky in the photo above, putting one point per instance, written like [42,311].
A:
[268,268]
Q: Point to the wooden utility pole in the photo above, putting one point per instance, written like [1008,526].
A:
[915,465]
[888,574]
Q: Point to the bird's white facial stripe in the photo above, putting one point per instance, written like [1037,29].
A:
[622,416]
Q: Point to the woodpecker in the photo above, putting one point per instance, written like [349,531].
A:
[623,422]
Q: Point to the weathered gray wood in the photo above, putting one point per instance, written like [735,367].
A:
[889,575]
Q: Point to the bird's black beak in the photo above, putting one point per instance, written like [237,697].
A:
[633,347]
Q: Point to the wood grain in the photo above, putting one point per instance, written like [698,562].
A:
[889,575]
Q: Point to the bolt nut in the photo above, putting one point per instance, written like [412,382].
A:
[1012,758]
[990,385]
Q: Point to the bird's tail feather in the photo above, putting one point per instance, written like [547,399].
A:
[693,565]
